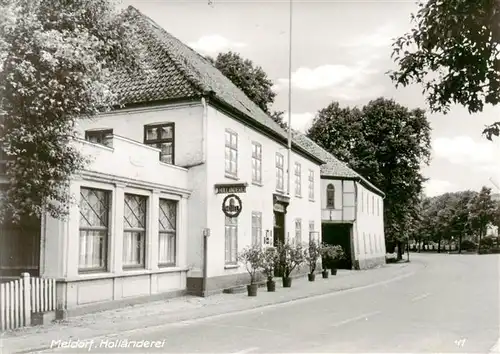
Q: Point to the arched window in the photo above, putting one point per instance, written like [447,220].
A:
[330,196]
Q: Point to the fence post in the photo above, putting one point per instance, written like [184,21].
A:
[26,298]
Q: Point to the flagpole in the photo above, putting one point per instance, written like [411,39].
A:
[290,102]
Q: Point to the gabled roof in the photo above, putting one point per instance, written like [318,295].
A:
[333,167]
[178,72]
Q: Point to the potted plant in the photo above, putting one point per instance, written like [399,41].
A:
[290,257]
[337,253]
[324,249]
[252,257]
[269,259]
[311,255]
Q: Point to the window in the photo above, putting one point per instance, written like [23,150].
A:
[298,231]
[161,136]
[311,229]
[167,232]
[101,136]
[94,229]
[256,162]
[378,207]
[256,228]
[279,172]
[298,180]
[362,201]
[373,205]
[330,196]
[231,240]
[134,231]
[311,185]
[231,153]
[364,243]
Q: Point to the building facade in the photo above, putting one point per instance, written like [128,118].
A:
[352,211]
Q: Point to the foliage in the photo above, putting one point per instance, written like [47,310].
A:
[468,245]
[290,257]
[269,261]
[56,59]
[253,258]
[312,255]
[386,143]
[331,254]
[249,78]
[454,52]
[482,212]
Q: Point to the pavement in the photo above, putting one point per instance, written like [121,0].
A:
[187,308]
[437,303]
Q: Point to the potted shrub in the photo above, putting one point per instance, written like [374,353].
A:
[290,257]
[337,253]
[252,257]
[311,255]
[269,259]
[324,248]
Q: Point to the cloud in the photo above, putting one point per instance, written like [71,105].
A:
[212,44]
[380,38]
[300,121]
[463,150]
[357,92]
[327,76]
[434,187]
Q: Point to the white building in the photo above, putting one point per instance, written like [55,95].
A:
[352,211]
[185,175]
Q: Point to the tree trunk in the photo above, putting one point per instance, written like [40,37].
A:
[479,241]
[460,244]
[400,249]
[439,245]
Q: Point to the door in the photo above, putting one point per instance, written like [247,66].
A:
[279,235]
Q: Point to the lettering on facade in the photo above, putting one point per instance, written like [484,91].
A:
[230,188]
[280,208]
[231,206]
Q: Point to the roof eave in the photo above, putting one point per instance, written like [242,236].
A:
[361,180]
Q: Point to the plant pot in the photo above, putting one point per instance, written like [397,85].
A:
[271,285]
[325,273]
[334,271]
[311,276]
[287,282]
[252,289]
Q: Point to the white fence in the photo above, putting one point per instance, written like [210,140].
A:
[22,297]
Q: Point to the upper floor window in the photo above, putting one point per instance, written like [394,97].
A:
[373,205]
[100,136]
[161,136]
[311,185]
[280,172]
[256,162]
[378,207]
[330,196]
[362,200]
[231,153]
[298,180]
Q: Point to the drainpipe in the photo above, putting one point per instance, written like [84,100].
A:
[206,232]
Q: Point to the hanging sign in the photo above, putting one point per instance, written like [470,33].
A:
[232,188]
[231,206]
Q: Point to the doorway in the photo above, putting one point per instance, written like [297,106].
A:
[339,235]
[278,235]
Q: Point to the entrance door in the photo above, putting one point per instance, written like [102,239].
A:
[279,235]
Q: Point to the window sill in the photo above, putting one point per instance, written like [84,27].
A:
[298,196]
[280,191]
[107,275]
[233,177]
[231,266]
[311,200]
[258,184]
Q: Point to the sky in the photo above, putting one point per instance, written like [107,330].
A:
[340,52]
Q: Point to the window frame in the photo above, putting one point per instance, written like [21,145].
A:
[105,244]
[330,200]
[157,141]
[256,228]
[280,178]
[231,223]
[257,157]
[298,231]
[311,185]
[311,229]
[142,263]
[298,179]
[168,233]
[234,148]
[106,136]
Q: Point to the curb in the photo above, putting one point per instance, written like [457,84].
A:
[217,313]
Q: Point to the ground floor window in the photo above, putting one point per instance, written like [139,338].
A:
[134,231]
[256,228]
[231,240]
[298,231]
[167,232]
[94,229]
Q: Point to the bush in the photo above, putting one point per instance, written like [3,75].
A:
[468,245]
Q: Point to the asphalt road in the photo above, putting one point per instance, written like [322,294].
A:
[451,305]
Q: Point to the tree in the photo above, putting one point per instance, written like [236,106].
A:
[454,52]
[386,143]
[481,212]
[250,79]
[56,61]
[461,225]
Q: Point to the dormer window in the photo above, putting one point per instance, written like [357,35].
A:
[161,136]
[100,136]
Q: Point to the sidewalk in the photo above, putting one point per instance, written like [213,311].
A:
[190,308]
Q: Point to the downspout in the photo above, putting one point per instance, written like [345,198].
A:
[356,246]
[203,161]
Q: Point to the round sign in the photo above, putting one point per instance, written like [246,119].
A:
[231,205]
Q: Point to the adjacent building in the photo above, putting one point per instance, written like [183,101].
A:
[183,176]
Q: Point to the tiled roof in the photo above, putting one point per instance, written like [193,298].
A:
[177,71]
[333,166]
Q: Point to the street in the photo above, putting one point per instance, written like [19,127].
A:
[451,305]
